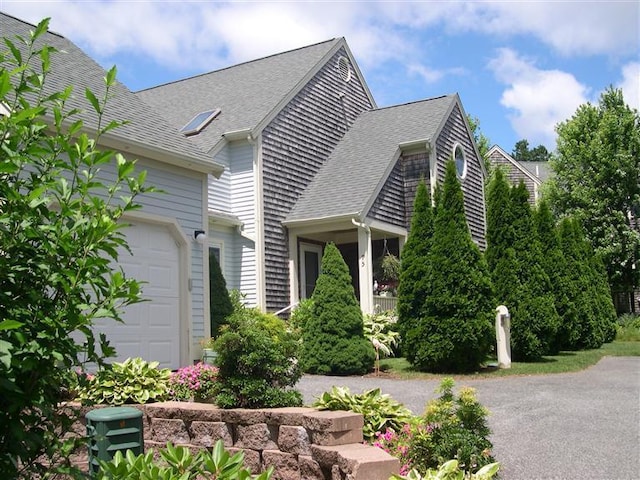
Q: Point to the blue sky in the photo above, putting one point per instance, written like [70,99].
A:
[520,67]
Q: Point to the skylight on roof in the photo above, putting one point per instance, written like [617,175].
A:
[200,121]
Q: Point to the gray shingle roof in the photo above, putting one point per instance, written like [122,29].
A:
[146,128]
[245,93]
[358,166]
[541,170]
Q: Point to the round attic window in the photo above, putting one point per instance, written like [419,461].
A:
[461,161]
[344,67]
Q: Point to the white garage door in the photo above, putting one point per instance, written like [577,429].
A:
[151,329]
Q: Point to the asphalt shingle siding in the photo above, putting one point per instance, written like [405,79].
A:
[294,146]
[454,132]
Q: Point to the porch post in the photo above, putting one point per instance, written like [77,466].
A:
[294,269]
[365,268]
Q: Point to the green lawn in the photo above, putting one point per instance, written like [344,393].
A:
[563,362]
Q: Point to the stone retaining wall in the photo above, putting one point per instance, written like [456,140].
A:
[300,443]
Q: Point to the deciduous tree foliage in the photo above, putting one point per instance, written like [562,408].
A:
[60,233]
[333,336]
[455,331]
[597,181]
[415,273]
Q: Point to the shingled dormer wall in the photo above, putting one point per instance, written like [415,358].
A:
[294,146]
[455,131]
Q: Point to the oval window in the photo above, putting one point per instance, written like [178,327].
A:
[461,162]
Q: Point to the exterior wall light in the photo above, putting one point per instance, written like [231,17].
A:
[199,236]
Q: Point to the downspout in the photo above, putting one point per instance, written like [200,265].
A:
[365,266]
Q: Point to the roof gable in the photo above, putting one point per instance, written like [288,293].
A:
[358,167]
[247,94]
[496,150]
[146,132]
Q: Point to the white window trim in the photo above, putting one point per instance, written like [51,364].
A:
[462,175]
[307,247]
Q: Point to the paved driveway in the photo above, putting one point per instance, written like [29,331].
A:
[583,425]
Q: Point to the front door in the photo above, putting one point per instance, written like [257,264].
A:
[310,259]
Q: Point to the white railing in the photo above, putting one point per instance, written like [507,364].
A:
[385,303]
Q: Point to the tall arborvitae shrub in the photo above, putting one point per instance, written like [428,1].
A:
[605,307]
[455,332]
[333,337]
[534,318]
[500,255]
[580,327]
[219,300]
[414,274]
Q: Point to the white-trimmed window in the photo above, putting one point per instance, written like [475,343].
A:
[344,67]
[461,161]
[310,260]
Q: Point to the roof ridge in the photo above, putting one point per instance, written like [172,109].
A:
[24,22]
[239,64]
[424,100]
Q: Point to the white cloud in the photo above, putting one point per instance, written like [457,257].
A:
[630,84]
[538,99]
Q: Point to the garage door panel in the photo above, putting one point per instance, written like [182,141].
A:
[152,327]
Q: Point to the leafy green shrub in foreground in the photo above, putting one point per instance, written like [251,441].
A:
[380,411]
[132,381]
[450,470]
[179,464]
[258,361]
[453,426]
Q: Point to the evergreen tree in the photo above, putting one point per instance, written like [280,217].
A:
[414,274]
[580,327]
[534,318]
[219,301]
[500,255]
[455,332]
[333,336]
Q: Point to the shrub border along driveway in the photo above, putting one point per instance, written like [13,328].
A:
[580,425]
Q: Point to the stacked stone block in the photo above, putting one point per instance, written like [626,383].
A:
[300,443]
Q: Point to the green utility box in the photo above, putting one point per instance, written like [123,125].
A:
[113,429]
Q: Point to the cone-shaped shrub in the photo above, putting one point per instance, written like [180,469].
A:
[455,332]
[534,319]
[220,302]
[333,337]
[414,274]
[499,219]
[581,328]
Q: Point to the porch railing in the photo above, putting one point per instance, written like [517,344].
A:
[384,303]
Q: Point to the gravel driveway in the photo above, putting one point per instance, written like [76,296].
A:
[583,425]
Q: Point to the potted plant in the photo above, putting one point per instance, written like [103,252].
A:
[209,354]
[388,274]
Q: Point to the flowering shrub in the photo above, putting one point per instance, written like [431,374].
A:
[195,381]
[397,444]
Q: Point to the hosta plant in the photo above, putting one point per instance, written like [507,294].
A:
[178,463]
[132,381]
[450,470]
[380,411]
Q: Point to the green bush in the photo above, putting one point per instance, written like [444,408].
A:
[450,470]
[414,268]
[455,331]
[58,265]
[219,301]
[333,335]
[453,426]
[178,463]
[132,381]
[628,328]
[380,411]
[257,361]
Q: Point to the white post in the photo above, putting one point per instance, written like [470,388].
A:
[365,270]
[503,336]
